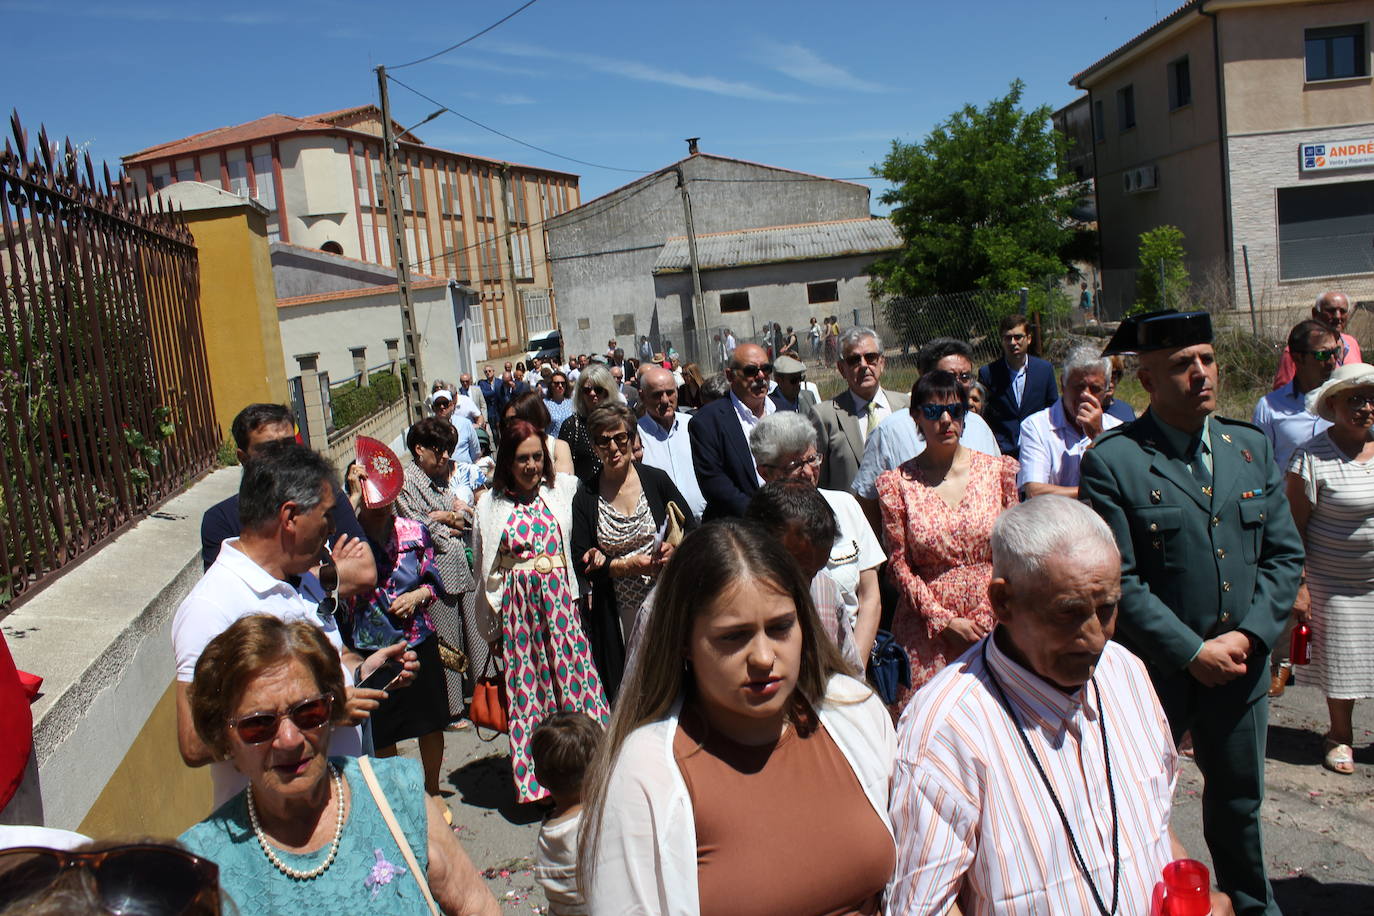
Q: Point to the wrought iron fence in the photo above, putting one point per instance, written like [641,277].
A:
[105,404]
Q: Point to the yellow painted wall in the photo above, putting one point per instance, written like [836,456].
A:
[238,306]
[152,792]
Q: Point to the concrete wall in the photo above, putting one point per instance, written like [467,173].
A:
[238,308]
[330,324]
[105,757]
[318,186]
[305,272]
[603,254]
[1183,146]
[777,292]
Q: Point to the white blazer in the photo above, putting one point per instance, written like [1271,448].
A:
[646,861]
[489,520]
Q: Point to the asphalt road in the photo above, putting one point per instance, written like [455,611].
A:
[1318,826]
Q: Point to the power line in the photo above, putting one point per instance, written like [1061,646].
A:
[547,152]
[469,38]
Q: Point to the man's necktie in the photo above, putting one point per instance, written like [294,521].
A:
[1200,471]
[872,417]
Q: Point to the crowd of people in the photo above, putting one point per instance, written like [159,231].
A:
[682,584]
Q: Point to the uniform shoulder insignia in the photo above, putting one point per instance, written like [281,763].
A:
[1242,424]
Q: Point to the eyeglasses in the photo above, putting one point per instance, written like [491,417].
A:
[140,879]
[1014,338]
[1322,356]
[791,467]
[594,390]
[750,371]
[308,715]
[854,359]
[933,412]
[557,383]
[329,581]
[1356,400]
[620,439]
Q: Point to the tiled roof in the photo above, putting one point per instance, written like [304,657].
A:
[775,244]
[276,125]
[1159,26]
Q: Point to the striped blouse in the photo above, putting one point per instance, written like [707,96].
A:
[972,817]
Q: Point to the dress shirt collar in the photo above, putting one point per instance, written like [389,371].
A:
[746,415]
[655,429]
[1046,706]
[1184,443]
[861,406]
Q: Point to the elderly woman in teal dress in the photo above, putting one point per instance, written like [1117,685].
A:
[308,834]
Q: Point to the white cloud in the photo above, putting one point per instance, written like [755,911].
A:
[636,70]
[806,66]
[143,13]
[472,63]
[499,98]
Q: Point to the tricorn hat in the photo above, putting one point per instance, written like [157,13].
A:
[384,475]
[1166,330]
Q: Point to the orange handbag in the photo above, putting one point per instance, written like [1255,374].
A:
[489,701]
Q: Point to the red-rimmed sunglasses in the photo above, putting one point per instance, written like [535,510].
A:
[140,879]
[261,727]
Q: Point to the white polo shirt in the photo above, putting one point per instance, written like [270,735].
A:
[1052,449]
[233,587]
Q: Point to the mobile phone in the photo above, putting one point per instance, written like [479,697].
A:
[382,678]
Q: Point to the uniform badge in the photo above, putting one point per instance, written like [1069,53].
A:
[1226,437]
[1156,496]
[1245,453]
[1207,491]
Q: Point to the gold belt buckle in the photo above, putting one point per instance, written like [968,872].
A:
[543,564]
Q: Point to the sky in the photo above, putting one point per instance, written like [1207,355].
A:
[818,87]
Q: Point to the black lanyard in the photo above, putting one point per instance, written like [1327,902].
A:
[1111,791]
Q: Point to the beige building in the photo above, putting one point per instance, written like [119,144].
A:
[1249,124]
[477,221]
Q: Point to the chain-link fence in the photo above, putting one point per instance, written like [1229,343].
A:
[1274,292]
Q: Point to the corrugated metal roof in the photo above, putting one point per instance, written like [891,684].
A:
[775,244]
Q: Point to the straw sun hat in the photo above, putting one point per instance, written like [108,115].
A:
[1351,375]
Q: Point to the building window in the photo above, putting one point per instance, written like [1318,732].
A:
[1099,122]
[1326,230]
[332,247]
[826,291]
[1125,108]
[1180,84]
[1336,53]
[734,302]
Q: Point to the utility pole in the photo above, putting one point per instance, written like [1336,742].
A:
[414,372]
[698,304]
[517,307]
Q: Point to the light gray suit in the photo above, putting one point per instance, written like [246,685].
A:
[842,438]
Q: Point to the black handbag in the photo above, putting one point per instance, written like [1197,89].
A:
[888,667]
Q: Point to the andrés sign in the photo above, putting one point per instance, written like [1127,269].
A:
[1341,154]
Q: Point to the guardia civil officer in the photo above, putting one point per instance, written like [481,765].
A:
[1210,563]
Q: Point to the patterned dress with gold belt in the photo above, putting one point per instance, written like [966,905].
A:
[548,659]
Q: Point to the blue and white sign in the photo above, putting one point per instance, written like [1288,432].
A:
[1327,155]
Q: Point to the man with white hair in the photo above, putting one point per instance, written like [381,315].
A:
[846,420]
[1053,440]
[1037,774]
[663,432]
[1332,307]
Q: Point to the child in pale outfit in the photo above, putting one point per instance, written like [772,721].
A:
[562,746]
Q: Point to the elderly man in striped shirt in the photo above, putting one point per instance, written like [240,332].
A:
[1035,775]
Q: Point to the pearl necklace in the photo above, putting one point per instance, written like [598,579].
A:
[333,846]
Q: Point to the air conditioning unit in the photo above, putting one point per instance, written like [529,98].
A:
[1142,178]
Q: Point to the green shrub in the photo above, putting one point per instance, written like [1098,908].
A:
[349,403]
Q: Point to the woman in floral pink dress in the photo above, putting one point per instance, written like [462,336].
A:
[523,527]
[938,510]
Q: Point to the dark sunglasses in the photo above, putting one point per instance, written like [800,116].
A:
[141,879]
[1356,401]
[752,371]
[261,727]
[329,581]
[854,359]
[594,389]
[933,412]
[1322,356]
[620,439]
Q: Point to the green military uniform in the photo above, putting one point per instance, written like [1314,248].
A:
[1204,550]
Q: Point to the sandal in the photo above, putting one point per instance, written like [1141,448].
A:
[1340,758]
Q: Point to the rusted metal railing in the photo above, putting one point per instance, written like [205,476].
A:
[105,405]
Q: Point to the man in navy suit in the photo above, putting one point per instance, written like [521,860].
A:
[720,434]
[494,393]
[1018,385]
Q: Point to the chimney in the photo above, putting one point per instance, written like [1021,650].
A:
[692,145]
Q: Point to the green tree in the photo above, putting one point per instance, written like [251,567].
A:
[977,203]
[1161,256]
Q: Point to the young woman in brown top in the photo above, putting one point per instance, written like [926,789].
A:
[743,773]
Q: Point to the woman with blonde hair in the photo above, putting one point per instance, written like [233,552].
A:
[595,387]
[738,708]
